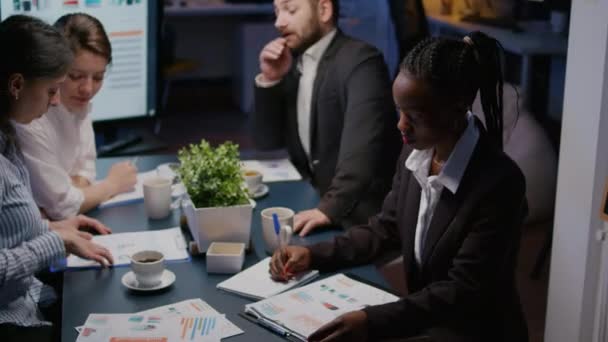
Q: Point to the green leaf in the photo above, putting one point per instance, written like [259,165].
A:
[212,176]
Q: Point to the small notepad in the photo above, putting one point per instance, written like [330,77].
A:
[255,281]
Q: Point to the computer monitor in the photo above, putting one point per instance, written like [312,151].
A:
[130,86]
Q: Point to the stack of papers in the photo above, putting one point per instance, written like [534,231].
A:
[169,241]
[301,311]
[278,170]
[190,320]
[255,282]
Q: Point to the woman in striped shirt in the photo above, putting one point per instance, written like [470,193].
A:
[33,64]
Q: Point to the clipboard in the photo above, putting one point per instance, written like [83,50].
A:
[604,204]
[253,319]
[284,333]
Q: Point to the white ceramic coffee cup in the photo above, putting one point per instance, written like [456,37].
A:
[253,180]
[285,216]
[157,197]
[148,267]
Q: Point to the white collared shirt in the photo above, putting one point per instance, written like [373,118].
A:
[55,147]
[419,162]
[307,66]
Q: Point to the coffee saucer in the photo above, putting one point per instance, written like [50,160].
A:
[261,192]
[166,280]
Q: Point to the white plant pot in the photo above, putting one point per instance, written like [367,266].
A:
[218,224]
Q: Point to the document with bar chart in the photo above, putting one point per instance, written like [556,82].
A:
[152,328]
[191,308]
[299,312]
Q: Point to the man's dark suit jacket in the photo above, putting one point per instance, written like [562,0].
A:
[464,289]
[354,139]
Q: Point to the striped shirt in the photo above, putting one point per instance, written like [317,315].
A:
[27,245]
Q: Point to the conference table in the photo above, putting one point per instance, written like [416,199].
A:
[101,291]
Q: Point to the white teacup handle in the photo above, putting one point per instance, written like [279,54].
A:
[285,235]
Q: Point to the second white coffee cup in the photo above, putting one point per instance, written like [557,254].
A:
[157,197]
[253,180]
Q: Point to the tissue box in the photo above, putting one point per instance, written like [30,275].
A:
[225,257]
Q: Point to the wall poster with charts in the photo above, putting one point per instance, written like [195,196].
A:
[128,23]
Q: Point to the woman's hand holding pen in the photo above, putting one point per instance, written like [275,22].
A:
[289,260]
[122,176]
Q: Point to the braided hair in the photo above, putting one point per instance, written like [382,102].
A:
[456,69]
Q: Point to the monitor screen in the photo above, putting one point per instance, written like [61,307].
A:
[130,84]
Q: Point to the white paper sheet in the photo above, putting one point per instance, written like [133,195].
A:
[303,310]
[255,282]
[278,170]
[189,308]
[170,242]
[151,328]
[195,307]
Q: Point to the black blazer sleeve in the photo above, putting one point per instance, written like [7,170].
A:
[365,145]
[493,230]
[269,117]
[361,244]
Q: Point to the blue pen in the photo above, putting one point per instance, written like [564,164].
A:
[277,230]
[277,225]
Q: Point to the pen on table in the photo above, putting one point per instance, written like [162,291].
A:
[277,230]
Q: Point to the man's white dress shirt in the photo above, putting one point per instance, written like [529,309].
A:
[307,66]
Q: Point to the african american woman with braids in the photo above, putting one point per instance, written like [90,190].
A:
[455,209]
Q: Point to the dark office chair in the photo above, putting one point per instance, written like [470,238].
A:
[411,25]
[172,68]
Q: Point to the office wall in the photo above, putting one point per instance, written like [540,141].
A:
[486,8]
[583,169]
[210,40]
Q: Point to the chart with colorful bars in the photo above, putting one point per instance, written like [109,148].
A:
[139,328]
[189,320]
[192,327]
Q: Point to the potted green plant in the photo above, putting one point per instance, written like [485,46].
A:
[218,208]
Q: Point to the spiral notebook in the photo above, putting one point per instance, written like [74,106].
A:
[255,282]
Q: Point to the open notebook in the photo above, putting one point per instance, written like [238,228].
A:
[255,281]
[297,313]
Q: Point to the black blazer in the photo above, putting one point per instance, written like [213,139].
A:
[465,288]
[353,134]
